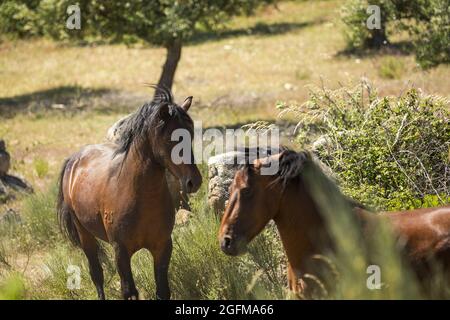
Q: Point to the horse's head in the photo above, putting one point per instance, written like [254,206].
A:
[172,143]
[256,198]
[254,201]
[154,132]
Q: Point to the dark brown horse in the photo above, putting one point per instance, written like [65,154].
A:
[118,193]
[256,199]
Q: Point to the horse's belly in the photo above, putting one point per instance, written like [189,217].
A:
[85,191]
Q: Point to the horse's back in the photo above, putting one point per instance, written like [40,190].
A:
[426,230]
[90,165]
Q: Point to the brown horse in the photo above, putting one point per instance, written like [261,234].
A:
[255,199]
[118,193]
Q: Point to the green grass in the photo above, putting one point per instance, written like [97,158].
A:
[41,167]
[12,288]
[392,68]
[40,217]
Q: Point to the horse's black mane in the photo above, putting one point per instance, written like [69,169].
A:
[147,119]
[291,164]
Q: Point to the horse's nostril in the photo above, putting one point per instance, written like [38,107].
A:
[189,185]
[227,241]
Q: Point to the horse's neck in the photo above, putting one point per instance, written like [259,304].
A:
[142,167]
[299,223]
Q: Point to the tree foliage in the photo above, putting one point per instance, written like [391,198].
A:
[155,22]
[160,22]
[426,21]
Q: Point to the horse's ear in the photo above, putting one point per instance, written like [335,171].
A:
[264,162]
[187,103]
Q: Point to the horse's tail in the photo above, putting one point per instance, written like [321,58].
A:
[65,214]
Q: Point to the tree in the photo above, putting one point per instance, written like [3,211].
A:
[167,23]
[426,21]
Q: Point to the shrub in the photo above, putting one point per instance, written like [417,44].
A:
[354,15]
[427,22]
[17,19]
[390,152]
[432,35]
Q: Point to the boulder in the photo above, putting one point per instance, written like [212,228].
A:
[221,170]
[10,182]
[182,217]
[10,216]
[5,159]
[180,198]
[4,194]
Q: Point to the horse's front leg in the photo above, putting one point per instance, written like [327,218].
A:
[161,260]
[123,263]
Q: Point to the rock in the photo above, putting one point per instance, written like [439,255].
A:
[17,183]
[5,159]
[180,198]
[323,143]
[221,170]
[4,194]
[10,216]
[182,216]
[8,181]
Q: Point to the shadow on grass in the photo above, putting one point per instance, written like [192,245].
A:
[399,48]
[259,29]
[69,99]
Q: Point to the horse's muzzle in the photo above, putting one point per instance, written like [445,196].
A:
[232,246]
[192,184]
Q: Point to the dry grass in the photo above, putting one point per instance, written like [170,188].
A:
[300,37]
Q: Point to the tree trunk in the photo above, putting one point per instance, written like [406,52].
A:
[170,66]
[379,38]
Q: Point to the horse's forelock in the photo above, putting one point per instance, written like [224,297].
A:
[291,165]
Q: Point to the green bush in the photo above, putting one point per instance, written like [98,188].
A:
[426,21]
[391,152]
[432,36]
[17,18]
[155,22]
[354,16]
